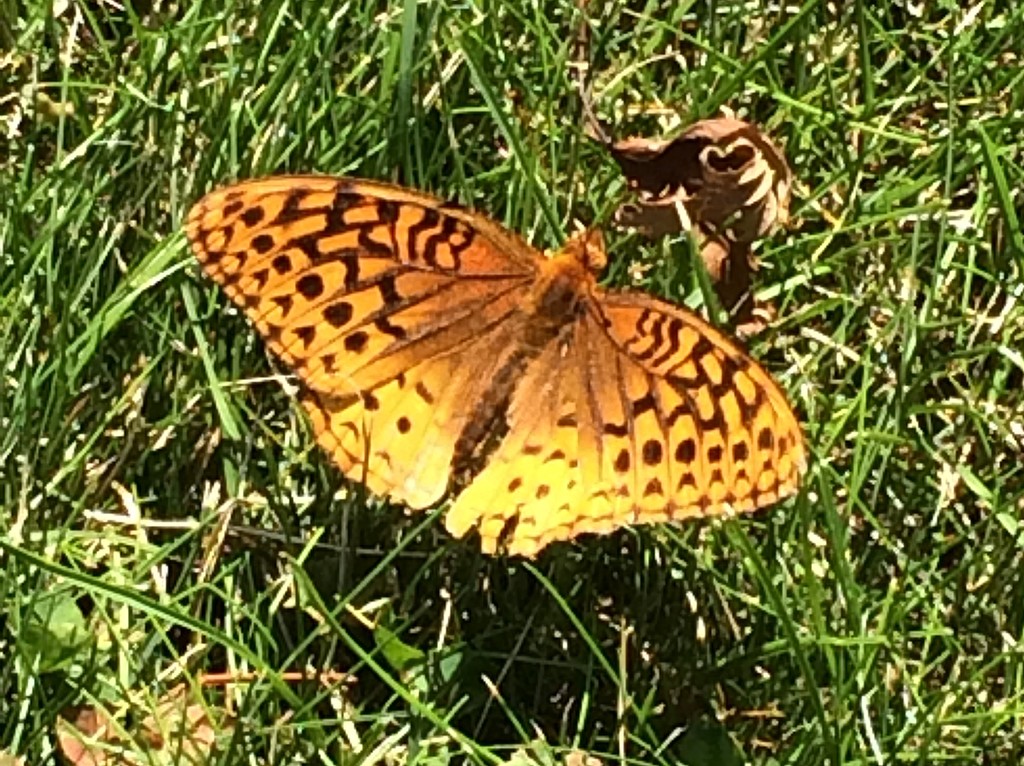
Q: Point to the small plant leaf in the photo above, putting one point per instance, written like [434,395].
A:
[55,632]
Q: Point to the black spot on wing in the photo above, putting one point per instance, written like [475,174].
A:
[338,314]
[645,403]
[428,222]
[284,302]
[614,429]
[372,246]
[282,264]
[622,461]
[653,488]
[388,211]
[671,342]
[686,451]
[310,286]
[424,393]
[291,210]
[388,294]
[233,207]
[344,199]
[356,341]
[652,452]
[253,216]
[262,243]
[306,335]
[308,245]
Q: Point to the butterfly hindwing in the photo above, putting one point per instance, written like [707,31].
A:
[644,414]
[747,448]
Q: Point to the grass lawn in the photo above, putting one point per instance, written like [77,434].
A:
[167,525]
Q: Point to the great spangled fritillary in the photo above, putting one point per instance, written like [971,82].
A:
[441,354]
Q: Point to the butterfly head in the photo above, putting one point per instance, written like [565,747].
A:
[587,247]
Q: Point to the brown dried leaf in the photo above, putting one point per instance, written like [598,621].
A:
[729,177]
[724,182]
[721,179]
[182,724]
[85,736]
[759,317]
[179,731]
[581,758]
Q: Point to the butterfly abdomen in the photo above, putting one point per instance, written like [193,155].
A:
[488,423]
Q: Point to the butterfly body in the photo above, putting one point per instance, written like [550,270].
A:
[442,355]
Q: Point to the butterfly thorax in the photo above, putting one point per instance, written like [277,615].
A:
[556,299]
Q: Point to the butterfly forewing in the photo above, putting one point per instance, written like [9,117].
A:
[390,306]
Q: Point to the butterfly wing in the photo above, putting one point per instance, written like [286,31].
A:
[644,414]
[394,309]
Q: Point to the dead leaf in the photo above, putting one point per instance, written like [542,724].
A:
[581,758]
[730,178]
[85,736]
[723,181]
[181,725]
[180,731]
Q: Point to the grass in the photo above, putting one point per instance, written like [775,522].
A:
[166,518]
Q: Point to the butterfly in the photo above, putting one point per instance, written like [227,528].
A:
[440,355]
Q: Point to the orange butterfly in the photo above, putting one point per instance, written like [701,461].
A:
[440,353]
